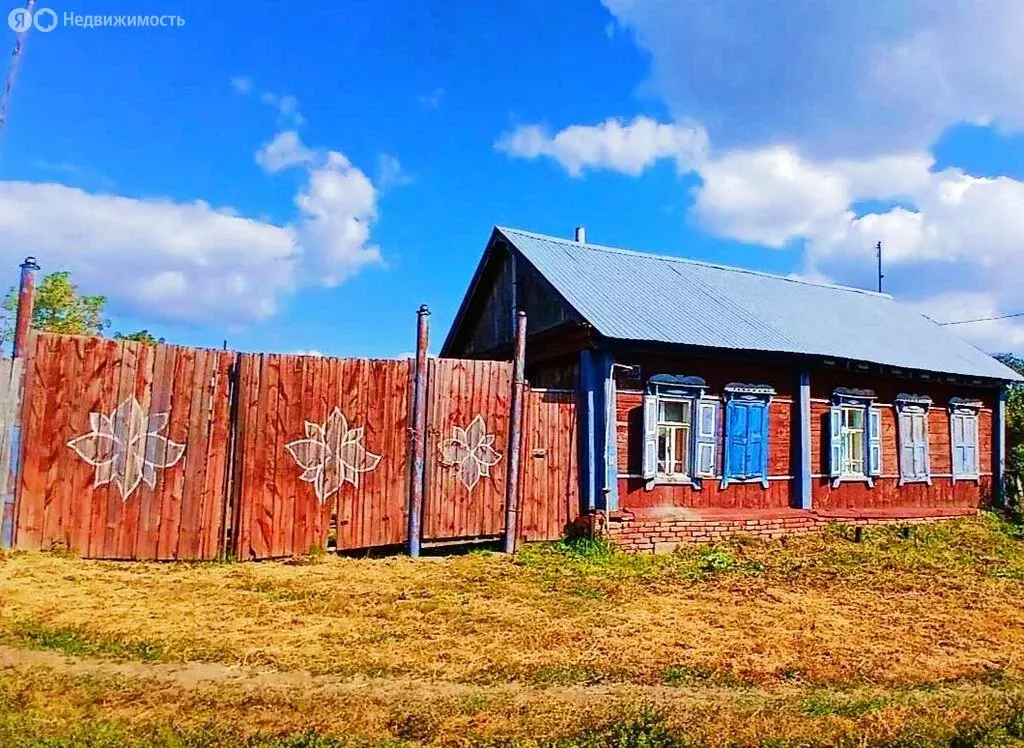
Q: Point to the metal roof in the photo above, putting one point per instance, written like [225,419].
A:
[636,296]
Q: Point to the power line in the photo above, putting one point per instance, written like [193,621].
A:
[982,319]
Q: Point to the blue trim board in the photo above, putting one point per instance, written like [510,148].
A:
[598,456]
[999,447]
[803,484]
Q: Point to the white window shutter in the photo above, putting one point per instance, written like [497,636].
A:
[836,443]
[706,454]
[874,441]
[650,455]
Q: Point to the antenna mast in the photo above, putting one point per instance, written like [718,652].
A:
[880,275]
[12,68]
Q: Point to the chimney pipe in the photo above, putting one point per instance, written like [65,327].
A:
[581,234]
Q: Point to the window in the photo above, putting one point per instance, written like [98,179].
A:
[674,422]
[963,429]
[745,456]
[680,431]
[856,438]
[853,452]
[913,438]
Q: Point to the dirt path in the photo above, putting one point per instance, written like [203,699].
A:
[198,674]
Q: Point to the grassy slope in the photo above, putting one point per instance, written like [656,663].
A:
[814,641]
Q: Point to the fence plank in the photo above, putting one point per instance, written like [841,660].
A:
[11,371]
[549,478]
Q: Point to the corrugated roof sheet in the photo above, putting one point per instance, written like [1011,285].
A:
[636,296]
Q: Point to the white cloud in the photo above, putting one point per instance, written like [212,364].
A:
[953,245]
[390,172]
[287,107]
[242,84]
[846,79]
[336,210]
[628,148]
[161,259]
[285,150]
[431,100]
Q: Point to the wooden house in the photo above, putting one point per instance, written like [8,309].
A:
[716,399]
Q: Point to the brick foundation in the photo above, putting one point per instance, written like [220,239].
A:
[663,532]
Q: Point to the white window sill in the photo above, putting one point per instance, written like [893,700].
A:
[674,480]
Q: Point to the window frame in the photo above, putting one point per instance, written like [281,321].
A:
[746,395]
[686,428]
[908,408]
[967,410]
[663,388]
[844,401]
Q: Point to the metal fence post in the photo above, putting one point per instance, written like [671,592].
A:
[515,437]
[418,435]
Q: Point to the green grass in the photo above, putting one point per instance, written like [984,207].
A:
[35,635]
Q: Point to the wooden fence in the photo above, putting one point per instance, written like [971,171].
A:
[134,451]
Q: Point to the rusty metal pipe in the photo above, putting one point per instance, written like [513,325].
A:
[515,437]
[26,300]
[418,435]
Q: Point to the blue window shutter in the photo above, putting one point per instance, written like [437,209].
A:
[706,453]
[757,441]
[836,443]
[874,441]
[737,441]
[650,456]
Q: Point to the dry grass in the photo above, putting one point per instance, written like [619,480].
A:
[812,641]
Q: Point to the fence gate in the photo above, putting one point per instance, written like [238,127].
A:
[549,487]
[468,406]
[320,437]
[124,448]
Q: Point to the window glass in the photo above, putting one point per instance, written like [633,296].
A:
[853,441]
[674,437]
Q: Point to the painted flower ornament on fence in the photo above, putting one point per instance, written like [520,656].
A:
[127,447]
[472,450]
[331,454]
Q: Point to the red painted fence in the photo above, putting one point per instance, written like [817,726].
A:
[137,451]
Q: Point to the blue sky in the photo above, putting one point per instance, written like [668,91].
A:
[400,133]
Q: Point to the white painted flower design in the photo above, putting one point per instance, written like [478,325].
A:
[331,454]
[127,447]
[472,450]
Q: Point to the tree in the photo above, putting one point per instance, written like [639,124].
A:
[142,336]
[58,308]
[1014,430]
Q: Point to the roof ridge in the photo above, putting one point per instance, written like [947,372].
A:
[691,261]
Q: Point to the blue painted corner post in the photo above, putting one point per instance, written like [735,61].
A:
[803,482]
[598,456]
[999,450]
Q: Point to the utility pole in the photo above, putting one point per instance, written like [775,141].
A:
[880,276]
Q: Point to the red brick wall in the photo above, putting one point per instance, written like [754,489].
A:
[784,437]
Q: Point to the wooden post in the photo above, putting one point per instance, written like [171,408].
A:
[26,299]
[515,437]
[418,437]
[803,485]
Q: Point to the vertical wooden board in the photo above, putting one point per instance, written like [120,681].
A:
[320,512]
[81,478]
[349,499]
[259,541]
[123,381]
[195,460]
[399,423]
[142,391]
[57,435]
[431,463]
[269,510]
[217,488]
[245,455]
[177,430]
[32,489]
[290,418]
[149,497]
[73,514]
[108,374]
